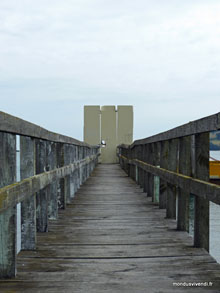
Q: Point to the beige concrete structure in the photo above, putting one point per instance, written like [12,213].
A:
[114,126]
[92,125]
[125,125]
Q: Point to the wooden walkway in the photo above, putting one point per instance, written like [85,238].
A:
[112,238]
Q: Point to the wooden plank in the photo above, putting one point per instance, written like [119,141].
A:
[8,218]
[28,207]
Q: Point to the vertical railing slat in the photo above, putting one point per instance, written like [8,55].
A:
[8,225]
[28,206]
[201,226]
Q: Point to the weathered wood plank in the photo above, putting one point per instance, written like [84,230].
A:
[28,207]
[8,217]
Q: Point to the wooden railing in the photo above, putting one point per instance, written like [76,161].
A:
[52,168]
[173,168]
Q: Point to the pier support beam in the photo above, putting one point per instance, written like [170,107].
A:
[61,196]
[51,164]
[150,176]
[183,196]
[75,174]
[156,162]
[7,218]
[145,174]
[72,178]
[67,161]
[171,189]
[139,175]
[133,168]
[163,164]
[42,196]
[28,206]
[201,226]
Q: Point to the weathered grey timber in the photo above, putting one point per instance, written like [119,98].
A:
[156,162]
[206,124]
[51,164]
[201,237]
[73,188]
[112,238]
[12,124]
[163,164]
[171,189]
[8,217]
[12,194]
[67,161]
[182,167]
[185,168]
[150,176]
[42,195]
[61,194]
[52,157]
[201,188]
[28,206]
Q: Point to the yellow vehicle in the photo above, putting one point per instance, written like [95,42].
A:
[214,171]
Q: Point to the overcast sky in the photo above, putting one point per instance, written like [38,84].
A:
[163,57]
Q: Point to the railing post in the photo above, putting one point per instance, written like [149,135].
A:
[171,189]
[136,174]
[75,174]
[163,164]
[88,164]
[67,160]
[150,176]
[28,206]
[80,167]
[134,167]
[42,195]
[8,218]
[72,178]
[78,170]
[127,164]
[140,171]
[61,196]
[201,226]
[51,163]
[145,174]
[185,168]
[156,192]
[131,166]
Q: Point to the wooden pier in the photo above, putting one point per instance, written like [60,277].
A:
[112,238]
[69,224]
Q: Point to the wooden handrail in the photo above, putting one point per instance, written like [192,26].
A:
[206,124]
[191,185]
[15,125]
[15,193]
